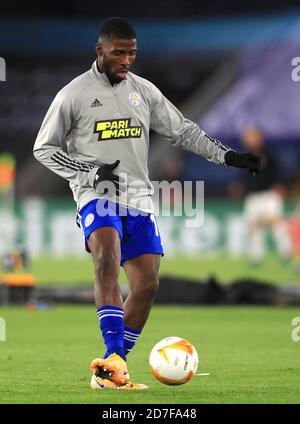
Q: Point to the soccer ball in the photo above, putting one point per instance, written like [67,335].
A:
[173,360]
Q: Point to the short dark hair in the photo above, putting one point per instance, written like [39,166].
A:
[116,28]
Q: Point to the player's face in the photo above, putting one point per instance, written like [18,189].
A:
[115,56]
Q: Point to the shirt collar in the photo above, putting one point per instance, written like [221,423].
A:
[101,76]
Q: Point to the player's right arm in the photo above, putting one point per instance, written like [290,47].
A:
[48,150]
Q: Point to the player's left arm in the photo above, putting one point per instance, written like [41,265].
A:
[168,121]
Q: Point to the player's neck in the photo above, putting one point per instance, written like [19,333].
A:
[101,71]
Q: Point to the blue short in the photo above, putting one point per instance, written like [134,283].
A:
[138,231]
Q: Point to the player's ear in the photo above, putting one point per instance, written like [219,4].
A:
[99,49]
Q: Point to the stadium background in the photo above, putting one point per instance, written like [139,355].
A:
[225,66]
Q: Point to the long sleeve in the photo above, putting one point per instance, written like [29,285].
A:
[48,148]
[168,121]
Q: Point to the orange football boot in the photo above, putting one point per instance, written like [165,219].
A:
[104,383]
[113,368]
[112,373]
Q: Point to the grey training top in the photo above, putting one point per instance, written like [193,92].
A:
[91,123]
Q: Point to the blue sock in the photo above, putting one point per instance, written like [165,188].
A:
[130,338]
[112,327]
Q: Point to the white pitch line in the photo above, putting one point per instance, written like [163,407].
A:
[203,373]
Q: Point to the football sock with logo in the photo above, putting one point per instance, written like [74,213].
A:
[112,327]
[130,338]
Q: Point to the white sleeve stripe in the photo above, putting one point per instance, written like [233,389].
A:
[74,161]
[67,161]
[60,162]
[67,164]
[219,144]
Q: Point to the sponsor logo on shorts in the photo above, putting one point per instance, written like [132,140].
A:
[117,129]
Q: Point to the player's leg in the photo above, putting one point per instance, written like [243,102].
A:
[104,245]
[103,235]
[102,228]
[142,275]
[110,372]
[141,251]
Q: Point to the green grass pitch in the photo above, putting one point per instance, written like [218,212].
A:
[248,352]
[74,271]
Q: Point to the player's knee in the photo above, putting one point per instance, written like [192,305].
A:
[106,266]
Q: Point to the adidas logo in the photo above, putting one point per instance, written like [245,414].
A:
[96,102]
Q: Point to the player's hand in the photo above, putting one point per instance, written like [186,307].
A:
[106,181]
[243,160]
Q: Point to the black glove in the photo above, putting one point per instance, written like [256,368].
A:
[243,160]
[104,174]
